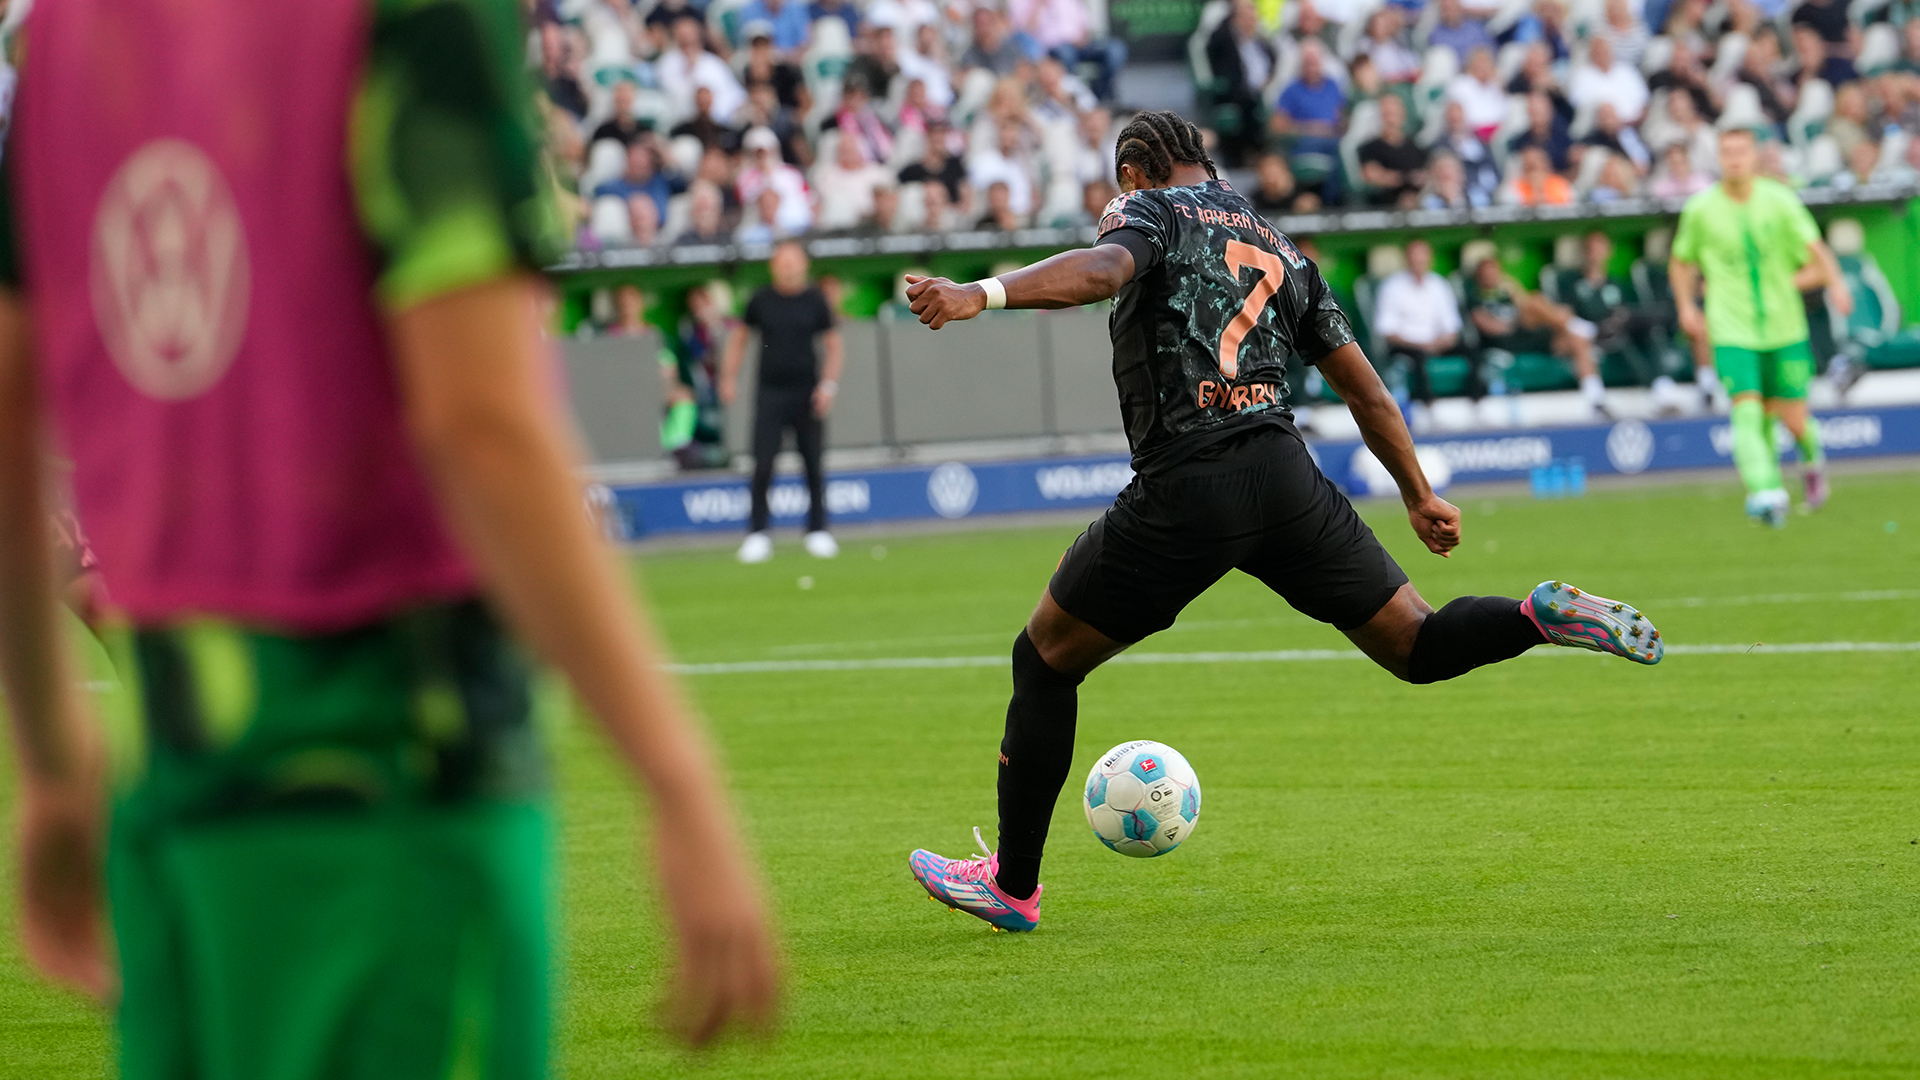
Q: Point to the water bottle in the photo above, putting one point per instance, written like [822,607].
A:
[1576,477]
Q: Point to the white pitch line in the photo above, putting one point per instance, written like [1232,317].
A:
[1279,656]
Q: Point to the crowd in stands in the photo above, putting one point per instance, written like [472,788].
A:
[693,122]
[1470,103]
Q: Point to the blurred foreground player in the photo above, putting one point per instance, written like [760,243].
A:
[1208,304]
[1758,249]
[268,281]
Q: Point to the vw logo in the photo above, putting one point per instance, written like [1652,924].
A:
[952,490]
[1630,446]
[169,271]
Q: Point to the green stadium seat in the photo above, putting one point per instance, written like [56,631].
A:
[1873,332]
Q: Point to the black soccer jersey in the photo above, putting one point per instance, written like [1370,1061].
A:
[1202,333]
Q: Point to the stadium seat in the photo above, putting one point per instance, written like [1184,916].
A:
[1809,118]
[1879,49]
[1873,334]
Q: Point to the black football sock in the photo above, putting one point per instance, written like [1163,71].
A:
[1036,754]
[1467,633]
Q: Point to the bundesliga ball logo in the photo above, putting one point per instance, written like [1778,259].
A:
[169,271]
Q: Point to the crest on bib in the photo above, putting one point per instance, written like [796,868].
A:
[169,271]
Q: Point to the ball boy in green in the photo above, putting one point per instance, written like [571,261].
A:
[1758,249]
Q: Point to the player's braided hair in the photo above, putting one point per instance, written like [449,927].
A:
[1154,142]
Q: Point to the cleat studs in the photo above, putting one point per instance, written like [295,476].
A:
[1655,636]
[1619,607]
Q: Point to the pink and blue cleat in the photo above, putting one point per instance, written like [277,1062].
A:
[1568,616]
[967,885]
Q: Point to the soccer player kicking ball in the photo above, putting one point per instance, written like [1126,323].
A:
[1758,249]
[272,289]
[1208,304]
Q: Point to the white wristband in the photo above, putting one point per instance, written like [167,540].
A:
[829,385]
[996,293]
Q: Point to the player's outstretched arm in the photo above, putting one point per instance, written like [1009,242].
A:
[62,762]
[1069,279]
[470,367]
[1435,520]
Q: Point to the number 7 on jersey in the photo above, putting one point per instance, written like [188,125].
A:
[1241,255]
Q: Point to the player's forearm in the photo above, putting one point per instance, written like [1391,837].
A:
[1346,369]
[735,355]
[1681,277]
[1071,278]
[51,737]
[504,477]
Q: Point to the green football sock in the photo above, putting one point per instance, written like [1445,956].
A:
[1812,454]
[676,428]
[1753,450]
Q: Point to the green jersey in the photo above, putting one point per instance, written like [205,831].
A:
[1748,253]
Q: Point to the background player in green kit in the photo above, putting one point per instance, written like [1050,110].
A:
[1758,249]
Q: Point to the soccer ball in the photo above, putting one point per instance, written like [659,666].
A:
[1143,799]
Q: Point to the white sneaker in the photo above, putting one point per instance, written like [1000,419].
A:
[821,544]
[756,548]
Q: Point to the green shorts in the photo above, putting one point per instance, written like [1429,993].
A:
[1782,373]
[330,855]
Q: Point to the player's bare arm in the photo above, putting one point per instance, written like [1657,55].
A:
[1684,277]
[469,366]
[1435,520]
[1069,279]
[58,748]
[833,360]
[730,362]
[1822,271]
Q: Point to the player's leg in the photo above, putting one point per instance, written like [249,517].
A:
[769,427]
[1785,381]
[1128,576]
[1753,453]
[809,436]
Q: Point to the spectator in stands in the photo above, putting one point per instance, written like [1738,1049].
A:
[1094,147]
[1819,59]
[875,61]
[1544,25]
[1385,44]
[1909,62]
[1311,24]
[1847,127]
[764,65]
[1686,126]
[1276,192]
[859,120]
[845,185]
[559,70]
[629,312]
[1605,80]
[1000,212]
[837,9]
[993,46]
[938,167]
[704,207]
[621,125]
[644,216]
[1479,173]
[659,24]
[762,225]
[1611,135]
[765,171]
[702,125]
[1242,61]
[642,176]
[1005,162]
[886,216]
[1685,75]
[1309,113]
[1058,94]
[1416,313]
[1447,185]
[1828,20]
[927,62]
[1617,180]
[763,110]
[1390,163]
[1624,32]
[787,26]
[940,215]
[1064,30]
[689,65]
[1512,320]
[1677,178]
[1478,92]
[1864,167]
[1547,130]
[1536,76]
[1536,184]
[1760,68]
[1458,32]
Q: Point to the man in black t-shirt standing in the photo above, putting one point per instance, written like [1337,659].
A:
[1208,303]
[795,393]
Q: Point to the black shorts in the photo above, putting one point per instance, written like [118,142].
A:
[1257,504]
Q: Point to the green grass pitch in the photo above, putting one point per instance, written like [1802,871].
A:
[1564,866]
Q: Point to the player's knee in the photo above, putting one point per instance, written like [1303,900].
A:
[1031,664]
